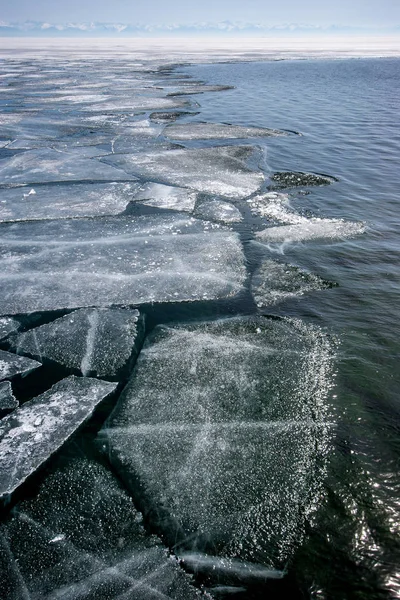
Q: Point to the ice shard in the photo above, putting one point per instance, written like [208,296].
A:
[210,131]
[220,170]
[8,325]
[12,365]
[8,402]
[33,432]
[91,341]
[274,282]
[314,228]
[80,538]
[48,265]
[222,432]
[65,201]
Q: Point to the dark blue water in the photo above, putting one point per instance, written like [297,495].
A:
[347,113]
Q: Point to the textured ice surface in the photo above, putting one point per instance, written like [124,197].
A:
[275,282]
[12,365]
[224,424]
[288,179]
[200,89]
[8,325]
[8,401]
[63,201]
[220,170]
[217,210]
[47,165]
[169,117]
[311,229]
[166,196]
[80,538]
[116,260]
[137,103]
[209,131]
[96,342]
[275,206]
[33,432]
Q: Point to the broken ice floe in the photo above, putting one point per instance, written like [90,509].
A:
[217,210]
[135,103]
[170,117]
[48,265]
[33,432]
[8,325]
[8,402]
[209,131]
[12,365]
[64,201]
[200,89]
[275,282]
[46,165]
[96,342]
[311,229]
[166,197]
[220,170]
[225,426]
[80,538]
[288,179]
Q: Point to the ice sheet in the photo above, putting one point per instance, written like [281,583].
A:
[225,426]
[220,170]
[63,201]
[209,131]
[48,265]
[33,432]
[95,342]
[12,365]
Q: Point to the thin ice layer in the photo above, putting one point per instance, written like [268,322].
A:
[97,342]
[8,402]
[64,201]
[167,197]
[33,432]
[12,365]
[48,265]
[200,89]
[224,425]
[80,538]
[217,210]
[220,170]
[288,179]
[274,282]
[46,165]
[209,131]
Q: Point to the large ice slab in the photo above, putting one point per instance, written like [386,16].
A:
[209,131]
[116,260]
[65,201]
[80,538]
[225,426]
[220,170]
[46,165]
[96,342]
[33,432]
[12,365]
[275,282]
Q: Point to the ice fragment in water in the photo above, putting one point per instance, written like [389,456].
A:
[33,432]
[166,196]
[49,265]
[217,210]
[220,170]
[12,365]
[200,89]
[80,538]
[169,117]
[8,325]
[209,131]
[288,179]
[63,201]
[8,402]
[96,342]
[275,282]
[225,425]
[46,165]
[311,229]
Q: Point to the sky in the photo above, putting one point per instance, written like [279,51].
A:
[351,13]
